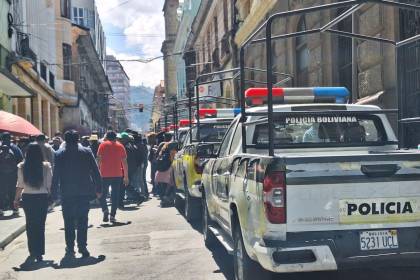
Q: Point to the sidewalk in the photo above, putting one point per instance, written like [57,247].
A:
[11,227]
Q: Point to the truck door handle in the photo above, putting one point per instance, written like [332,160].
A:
[380,170]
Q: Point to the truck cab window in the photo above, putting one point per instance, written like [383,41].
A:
[224,148]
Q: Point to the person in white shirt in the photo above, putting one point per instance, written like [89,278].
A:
[33,187]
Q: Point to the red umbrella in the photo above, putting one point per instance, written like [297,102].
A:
[17,125]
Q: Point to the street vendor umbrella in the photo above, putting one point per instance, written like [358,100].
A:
[17,125]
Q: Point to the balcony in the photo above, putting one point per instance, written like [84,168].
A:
[23,48]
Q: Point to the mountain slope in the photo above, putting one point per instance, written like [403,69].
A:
[140,95]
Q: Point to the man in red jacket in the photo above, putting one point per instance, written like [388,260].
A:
[112,160]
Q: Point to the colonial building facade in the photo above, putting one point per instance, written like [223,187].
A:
[120,100]
[170,10]
[368,69]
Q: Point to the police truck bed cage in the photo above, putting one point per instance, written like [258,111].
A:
[353,6]
[221,76]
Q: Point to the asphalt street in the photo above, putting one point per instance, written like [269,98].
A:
[149,243]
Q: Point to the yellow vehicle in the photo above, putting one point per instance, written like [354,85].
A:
[189,162]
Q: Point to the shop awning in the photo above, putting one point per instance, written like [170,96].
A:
[11,86]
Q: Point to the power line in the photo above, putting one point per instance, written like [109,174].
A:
[119,5]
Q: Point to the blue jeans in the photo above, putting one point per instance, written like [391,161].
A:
[75,214]
[115,183]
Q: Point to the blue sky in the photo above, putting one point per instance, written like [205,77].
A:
[135,29]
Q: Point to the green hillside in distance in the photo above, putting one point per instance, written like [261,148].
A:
[140,95]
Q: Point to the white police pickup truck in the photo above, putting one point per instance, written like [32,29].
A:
[337,193]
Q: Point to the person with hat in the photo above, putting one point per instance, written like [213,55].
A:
[94,143]
[133,164]
[112,160]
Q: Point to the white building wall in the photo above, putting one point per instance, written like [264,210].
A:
[85,13]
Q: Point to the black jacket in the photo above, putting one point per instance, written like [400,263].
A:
[76,173]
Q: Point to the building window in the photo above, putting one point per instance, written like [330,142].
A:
[67,60]
[225,16]
[52,80]
[345,54]
[216,32]
[43,71]
[302,55]
[65,8]
[78,16]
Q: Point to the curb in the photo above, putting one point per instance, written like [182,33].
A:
[12,236]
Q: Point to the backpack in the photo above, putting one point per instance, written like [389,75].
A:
[7,161]
[163,162]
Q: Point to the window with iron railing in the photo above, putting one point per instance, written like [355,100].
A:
[67,60]
[302,55]
[65,8]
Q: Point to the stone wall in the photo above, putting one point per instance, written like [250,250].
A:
[374,63]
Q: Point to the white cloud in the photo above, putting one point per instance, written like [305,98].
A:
[148,74]
[137,18]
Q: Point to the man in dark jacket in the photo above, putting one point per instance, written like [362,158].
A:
[9,179]
[77,176]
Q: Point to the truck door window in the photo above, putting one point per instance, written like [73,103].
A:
[237,139]
[242,169]
[224,147]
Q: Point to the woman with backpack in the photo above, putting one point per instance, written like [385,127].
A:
[34,186]
[164,174]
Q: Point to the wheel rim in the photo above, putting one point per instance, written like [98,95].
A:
[239,273]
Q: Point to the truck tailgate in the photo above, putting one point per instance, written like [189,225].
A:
[365,191]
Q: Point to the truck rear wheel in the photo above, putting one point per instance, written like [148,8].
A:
[209,238]
[244,267]
[179,203]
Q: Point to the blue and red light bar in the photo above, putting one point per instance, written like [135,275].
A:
[259,96]
[173,127]
[218,113]
[184,123]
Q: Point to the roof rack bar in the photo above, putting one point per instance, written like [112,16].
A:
[400,5]
[217,73]
[360,36]
[288,35]
[265,71]
[408,41]
[410,120]
[341,17]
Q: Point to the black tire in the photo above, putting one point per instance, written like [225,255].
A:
[244,267]
[188,207]
[209,239]
[179,203]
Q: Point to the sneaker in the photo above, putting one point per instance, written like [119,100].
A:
[39,258]
[112,219]
[70,252]
[106,217]
[85,253]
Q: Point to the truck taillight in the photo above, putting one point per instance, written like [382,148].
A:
[274,191]
[199,165]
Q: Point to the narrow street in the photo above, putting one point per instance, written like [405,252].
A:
[150,242]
